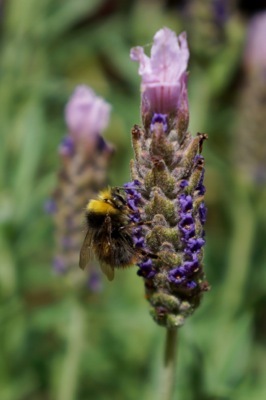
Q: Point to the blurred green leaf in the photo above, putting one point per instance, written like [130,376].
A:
[228,357]
[63,15]
[8,278]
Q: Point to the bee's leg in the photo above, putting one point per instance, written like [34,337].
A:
[141,223]
[135,224]
[108,224]
[150,255]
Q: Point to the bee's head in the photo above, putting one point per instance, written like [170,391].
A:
[118,198]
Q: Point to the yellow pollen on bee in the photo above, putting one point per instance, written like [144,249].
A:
[105,194]
[101,207]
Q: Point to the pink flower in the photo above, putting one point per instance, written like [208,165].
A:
[86,114]
[164,73]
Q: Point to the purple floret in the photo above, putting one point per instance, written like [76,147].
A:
[186,202]
[183,183]
[67,146]
[202,213]
[159,118]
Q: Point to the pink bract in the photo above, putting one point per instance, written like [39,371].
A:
[86,114]
[164,72]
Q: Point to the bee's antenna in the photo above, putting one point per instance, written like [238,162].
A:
[128,188]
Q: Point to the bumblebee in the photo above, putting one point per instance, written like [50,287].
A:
[109,234]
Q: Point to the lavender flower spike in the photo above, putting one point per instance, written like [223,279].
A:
[166,195]
[85,158]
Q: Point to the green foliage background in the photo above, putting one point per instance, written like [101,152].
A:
[58,341]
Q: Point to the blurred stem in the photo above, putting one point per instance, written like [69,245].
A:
[70,367]
[168,371]
[238,264]
[240,251]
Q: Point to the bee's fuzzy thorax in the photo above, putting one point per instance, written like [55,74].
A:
[101,207]
[105,194]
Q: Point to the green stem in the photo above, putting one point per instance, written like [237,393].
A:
[168,372]
[68,378]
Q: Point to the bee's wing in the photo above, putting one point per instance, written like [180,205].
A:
[107,270]
[86,254]
[86,251]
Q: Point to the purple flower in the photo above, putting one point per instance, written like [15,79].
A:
[200,187]
[163,75]
[202,213]
[186,202]
[138,242]
[87,115]
[161,119]
[132,204]
[182,275]
[183,183]
[132,185]
[146,269]
[195,245]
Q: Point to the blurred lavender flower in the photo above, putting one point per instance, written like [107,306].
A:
[87,115]
[255,49]
[220,11]
[249,151]
[94,282]
[166,195]
[85,157]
